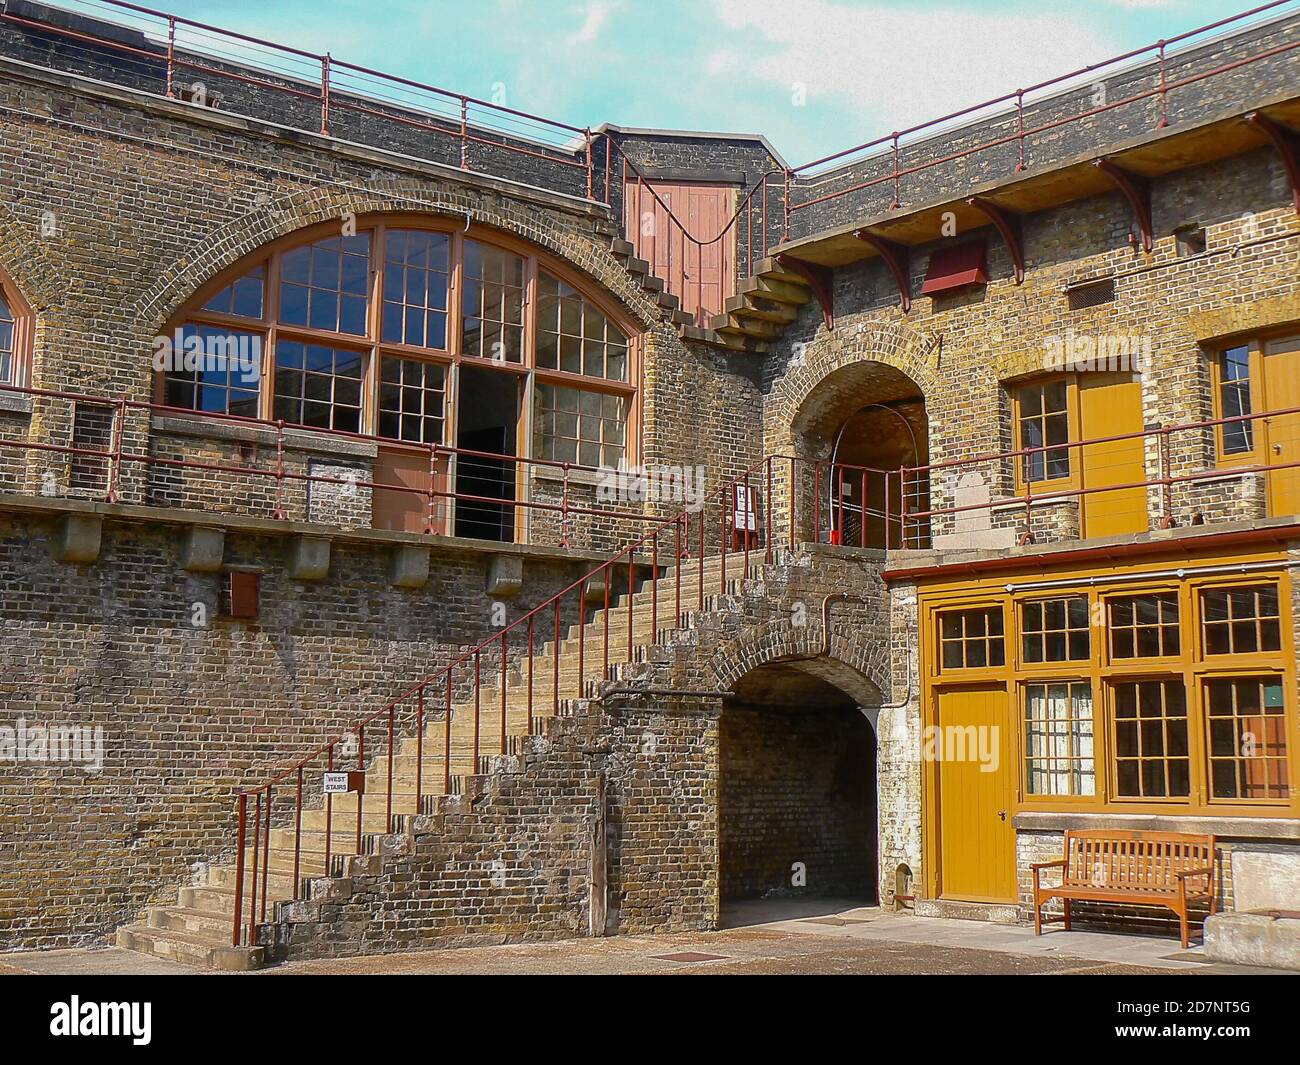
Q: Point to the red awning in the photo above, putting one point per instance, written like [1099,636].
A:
[952,268]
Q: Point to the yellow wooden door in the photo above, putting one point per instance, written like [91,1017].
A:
[1110,404]
[976,840]
[1282,434]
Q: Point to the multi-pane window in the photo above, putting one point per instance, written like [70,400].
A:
[1234,399]
[492,322]
[326,285]
[417,270]
[1044,420]
[574,335]
[1246,722]
[412,400]
[1144,626]
[244,297]
[587,428]
[6,343]
[318,386]
[215,369]
[970,639]
[370,333]
[1151,755]
[1055,630]
[1059,757]
[1241,620]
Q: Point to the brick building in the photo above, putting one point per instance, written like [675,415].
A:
[423,523]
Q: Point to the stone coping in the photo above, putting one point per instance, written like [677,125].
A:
[294,439]
[15,403]
[57,507]
[1267,828]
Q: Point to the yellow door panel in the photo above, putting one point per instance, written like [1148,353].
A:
[977,860]
[1111,405]
[1282,434]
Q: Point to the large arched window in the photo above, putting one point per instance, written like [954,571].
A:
[416,333]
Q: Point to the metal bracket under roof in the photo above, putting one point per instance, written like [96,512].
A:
[898,258]
[821,280]
[1287,142]
[1137,190]
[1008,226]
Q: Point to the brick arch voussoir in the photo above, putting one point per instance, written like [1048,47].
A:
[892,344]
[24,260]
[774,641]
[285,215]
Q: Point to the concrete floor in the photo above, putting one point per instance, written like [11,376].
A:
[778,936]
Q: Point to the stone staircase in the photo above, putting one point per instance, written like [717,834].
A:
[765,304]
[197,929]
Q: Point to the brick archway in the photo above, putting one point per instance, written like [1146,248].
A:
[215,251]
[860,669]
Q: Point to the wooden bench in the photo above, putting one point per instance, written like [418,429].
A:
[1170,869]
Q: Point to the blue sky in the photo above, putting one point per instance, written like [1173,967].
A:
[865,67]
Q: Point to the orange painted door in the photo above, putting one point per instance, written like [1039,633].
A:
[1282,392]
[702,277]
[407,511]
[1111,405]
[976,775]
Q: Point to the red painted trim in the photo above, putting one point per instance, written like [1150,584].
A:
[898,258]
[1287,143]
[1137,191]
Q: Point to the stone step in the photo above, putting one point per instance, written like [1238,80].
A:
[201,924]
[189,949]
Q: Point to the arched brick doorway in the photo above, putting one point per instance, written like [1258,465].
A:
[798,813]
[855,430]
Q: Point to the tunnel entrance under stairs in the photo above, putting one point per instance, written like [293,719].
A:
[798,816]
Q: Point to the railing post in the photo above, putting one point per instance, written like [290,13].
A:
[898,174]
[325,95]
[429,525]
[297,835]
[112,488]
[419,746]
[329,809]
[1020,124]
[361,765]
[1164,89]
[505,641]
[464,133]
[902,508]
[786,204]
[446,736]
[591,172]
[279,512]
[1166,481]
[257,850]
[564,509]
[241,837]
[388,808]
[767,511]
[266,849]
[171,68]
[531,620]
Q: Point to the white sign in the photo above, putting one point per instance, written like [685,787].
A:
[743,517]
[335,784]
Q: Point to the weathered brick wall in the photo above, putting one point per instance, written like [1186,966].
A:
[796,785]
[964,355]
[511,859]
[190,711]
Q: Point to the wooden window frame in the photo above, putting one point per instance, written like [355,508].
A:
[1190,706]
[1192,667]
[452,357]
[1020,740]
[968,670]
[1047,485]
[1256,345]
[1141,663]
[1050,664]
[20,375]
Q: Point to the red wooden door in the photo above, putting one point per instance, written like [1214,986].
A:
[701,277]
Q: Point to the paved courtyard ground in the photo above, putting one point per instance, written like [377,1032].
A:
[765,937]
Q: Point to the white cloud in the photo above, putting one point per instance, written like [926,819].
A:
[595,15]
[893,67]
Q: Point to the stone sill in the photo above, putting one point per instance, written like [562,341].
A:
[308,440]
[590,478]
[1019,504]
[1276,828]
[15,403]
